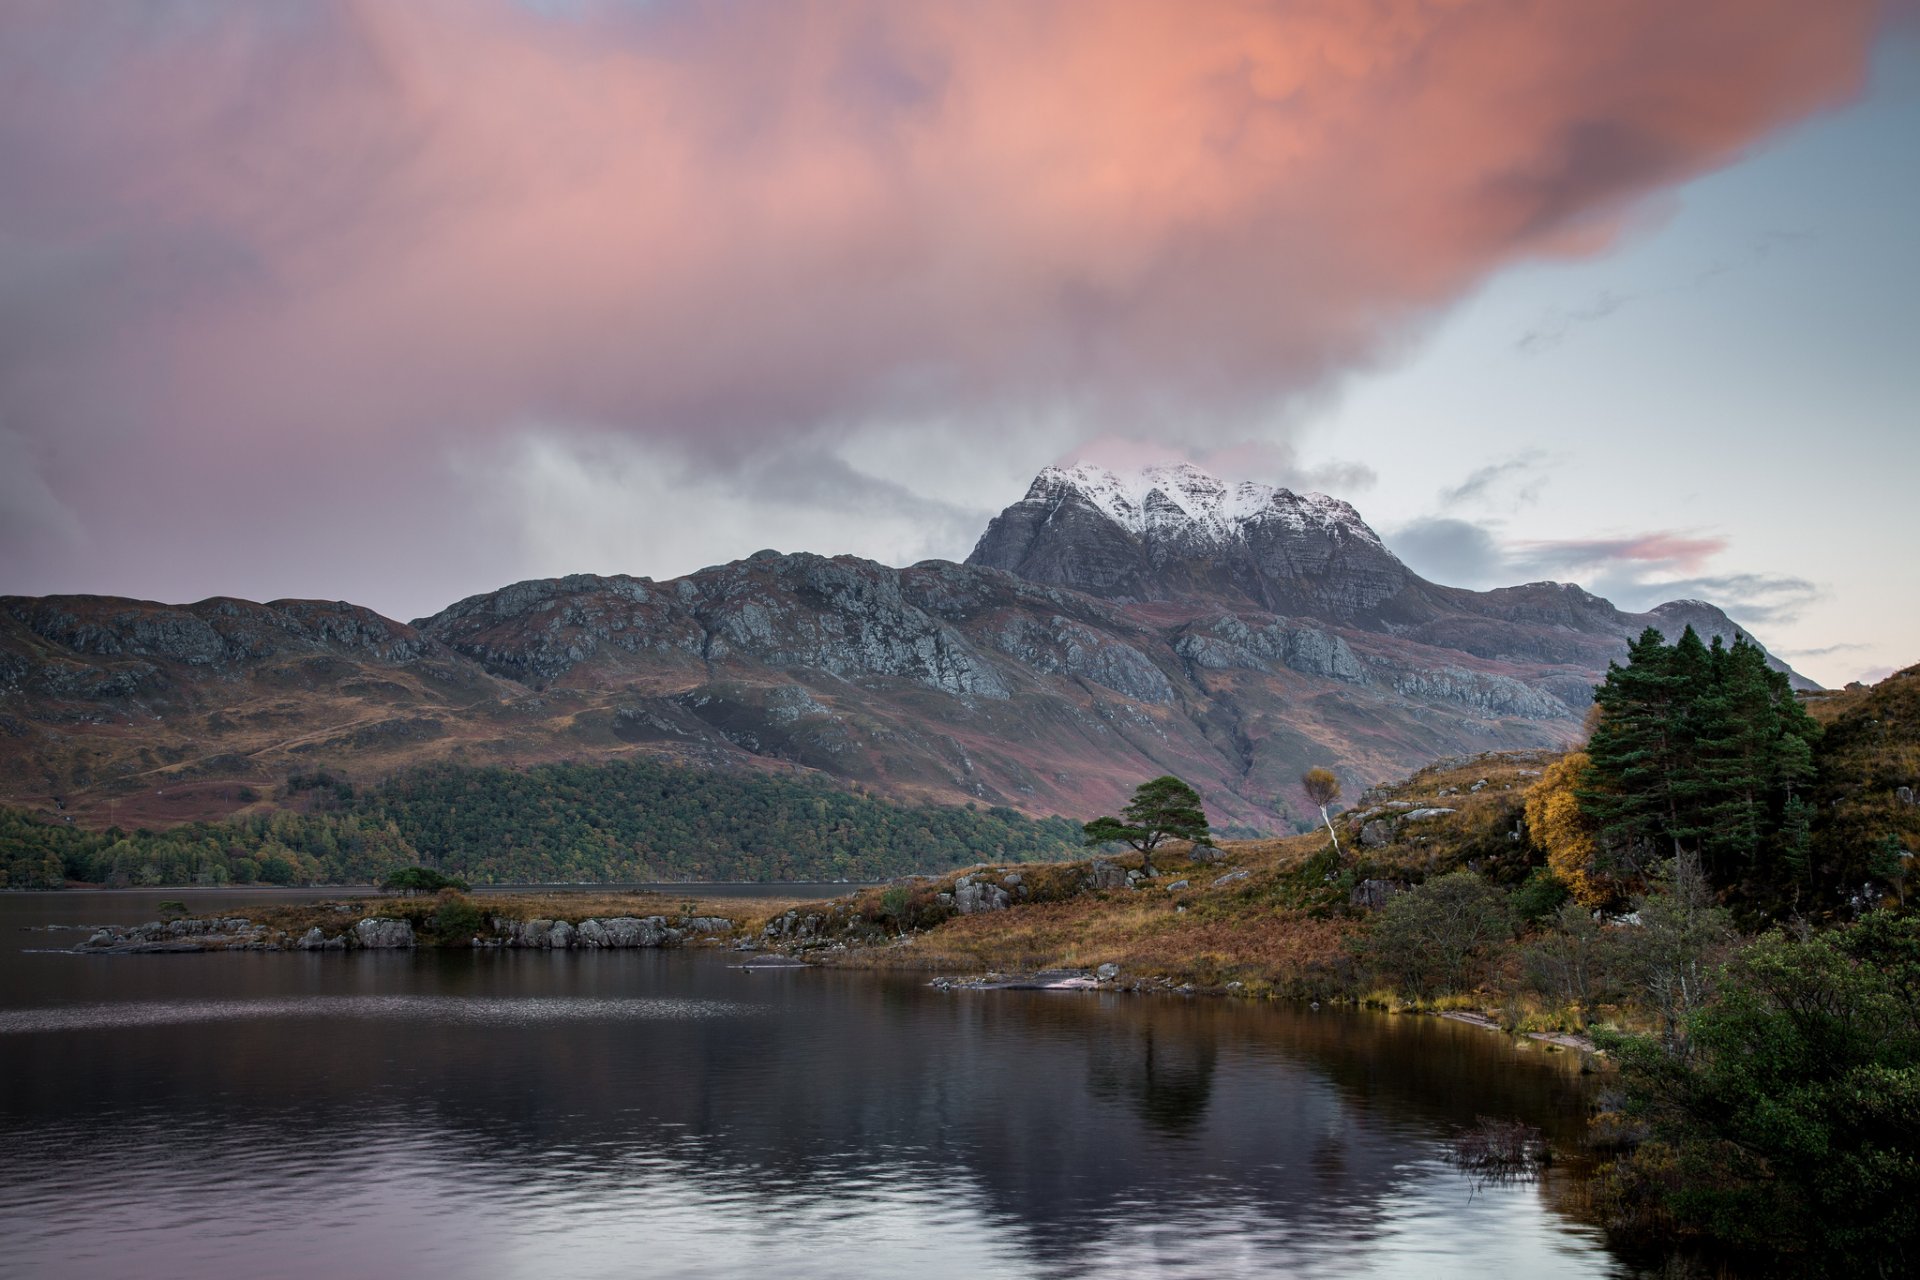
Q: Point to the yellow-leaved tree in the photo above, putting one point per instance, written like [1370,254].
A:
[1556,824]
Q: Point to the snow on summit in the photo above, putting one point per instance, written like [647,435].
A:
[1182,498]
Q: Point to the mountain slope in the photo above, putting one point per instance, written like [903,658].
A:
[1231,635]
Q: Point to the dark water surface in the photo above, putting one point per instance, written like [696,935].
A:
[663,1113]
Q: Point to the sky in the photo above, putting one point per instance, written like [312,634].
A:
[397,303]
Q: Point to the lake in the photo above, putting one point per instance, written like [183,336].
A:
[519,1113]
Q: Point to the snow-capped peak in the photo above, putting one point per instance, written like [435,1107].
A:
[1180,497]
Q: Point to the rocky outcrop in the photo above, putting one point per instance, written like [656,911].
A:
[374,934]
[977,893]
[614,933]
[1371,895]
[176,935]
[1488,694]
[1061,646]
[843,616]
[1230,641]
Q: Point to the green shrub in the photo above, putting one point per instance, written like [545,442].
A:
[1793,1113]
[454,917]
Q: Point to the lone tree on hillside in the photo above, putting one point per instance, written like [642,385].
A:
[1323,789]
[1161,808]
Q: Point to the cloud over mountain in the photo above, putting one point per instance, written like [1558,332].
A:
[310,251]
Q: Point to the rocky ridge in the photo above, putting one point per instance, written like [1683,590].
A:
[1106,629]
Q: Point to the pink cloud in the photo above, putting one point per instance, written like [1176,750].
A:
[314,244]
[1668,550]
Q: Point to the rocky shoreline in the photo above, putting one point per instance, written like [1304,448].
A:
[384,933]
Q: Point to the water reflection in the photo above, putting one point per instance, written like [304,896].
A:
[607,1113]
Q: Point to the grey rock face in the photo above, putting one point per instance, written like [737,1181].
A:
[1104,874]
[844,616]
[316,940]
[1231,641]
[1107,972]
[619,933]
[971,894]
[1376,834]
[1061,646]
[1493,695]
[383,935]
[1371,895]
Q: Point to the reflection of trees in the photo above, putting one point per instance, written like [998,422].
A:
[1168,1079]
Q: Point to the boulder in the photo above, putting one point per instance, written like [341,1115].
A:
[1204,854]
[315,940]
[1179,884]
[1376,834]
[1371,895]
[1232,876]
[383,935]
[621,932]
[1107,972]
[971,895]
[1104,874]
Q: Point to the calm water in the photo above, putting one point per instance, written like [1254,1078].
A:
[617,1114]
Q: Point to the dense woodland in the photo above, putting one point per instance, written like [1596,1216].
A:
[630,820]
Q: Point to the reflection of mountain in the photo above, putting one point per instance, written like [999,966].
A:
[1048,1114]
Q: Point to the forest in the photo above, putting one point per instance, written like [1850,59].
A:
[633,820]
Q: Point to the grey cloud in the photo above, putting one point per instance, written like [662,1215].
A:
[1455,552]
[1521,474]
[1749,597]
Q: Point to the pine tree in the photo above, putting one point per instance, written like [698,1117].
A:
[1636,752]
[1160,808]
[1703,750]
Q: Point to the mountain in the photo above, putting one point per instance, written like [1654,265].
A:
[1176,534]
[1105,630]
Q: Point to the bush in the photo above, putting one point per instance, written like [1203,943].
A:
[455,917]
[1435,938]
[1793,1115]
[1539,896]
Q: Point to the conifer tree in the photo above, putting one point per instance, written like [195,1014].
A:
[1160,808]
[1635,753]
[1701,750]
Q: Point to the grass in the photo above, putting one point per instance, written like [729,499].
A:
[293,919]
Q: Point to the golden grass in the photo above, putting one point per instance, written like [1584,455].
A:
[749,915]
